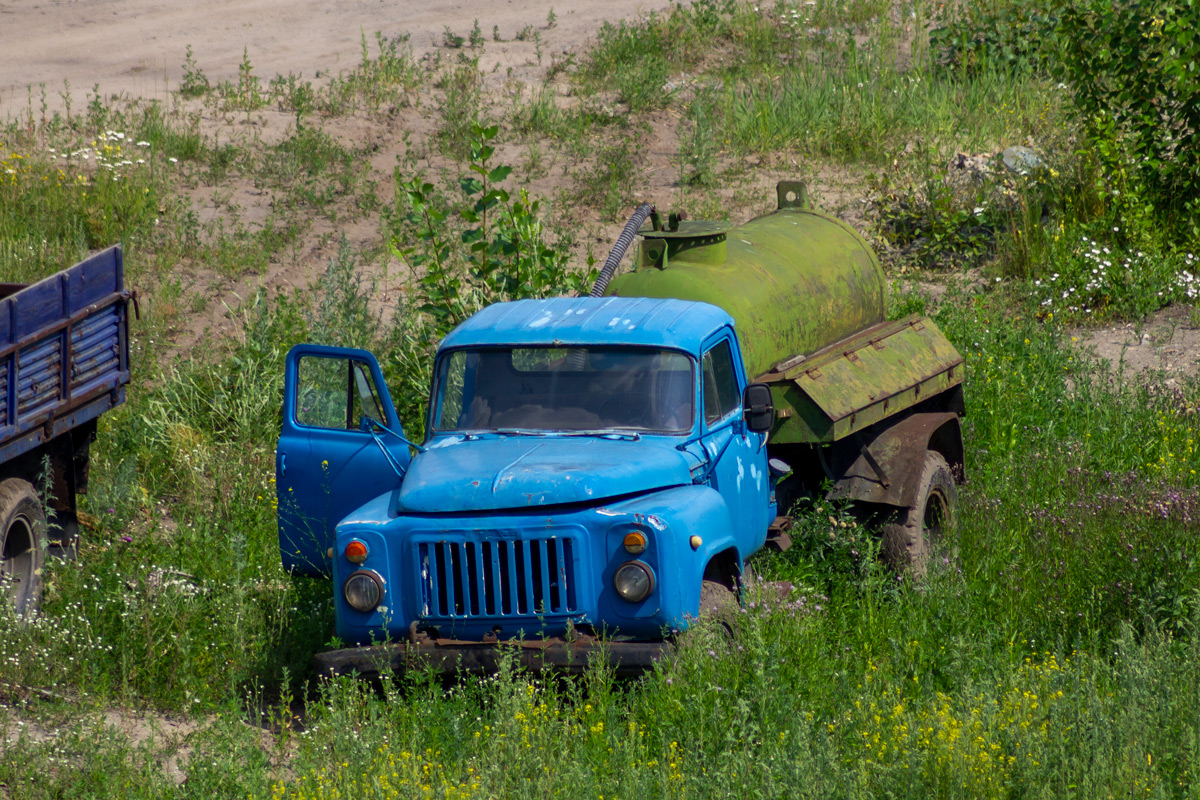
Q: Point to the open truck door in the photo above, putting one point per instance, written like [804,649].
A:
[340,446]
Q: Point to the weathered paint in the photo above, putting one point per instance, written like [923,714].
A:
[322,474]
[808,296]
[586,320]
[795,280]
[531,571]
[64,351]
[855,383]
[492,473]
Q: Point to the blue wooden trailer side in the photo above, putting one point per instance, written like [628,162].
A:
[64,361]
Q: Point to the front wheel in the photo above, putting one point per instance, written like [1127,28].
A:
[917,533]
[22,545]
[717,599]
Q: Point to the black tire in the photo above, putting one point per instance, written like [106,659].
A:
[22,545]
[916,534]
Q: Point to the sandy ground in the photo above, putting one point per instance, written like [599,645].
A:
[137,47]
[1167,341]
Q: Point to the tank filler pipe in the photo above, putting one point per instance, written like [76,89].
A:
[618,252]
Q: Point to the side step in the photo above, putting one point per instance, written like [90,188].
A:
[778,537]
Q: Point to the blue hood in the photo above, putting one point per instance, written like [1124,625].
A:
[493,474]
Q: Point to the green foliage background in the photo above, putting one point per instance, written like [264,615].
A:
[1055,656]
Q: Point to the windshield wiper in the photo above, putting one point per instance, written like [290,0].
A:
[604,433]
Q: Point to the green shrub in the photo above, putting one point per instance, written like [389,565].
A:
[501,253]
[1006,34]
[1132,68]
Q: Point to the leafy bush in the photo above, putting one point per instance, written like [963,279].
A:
[1132,65]
[504,253]
[1008,34]
[937,225]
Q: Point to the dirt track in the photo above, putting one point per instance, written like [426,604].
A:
[136,47]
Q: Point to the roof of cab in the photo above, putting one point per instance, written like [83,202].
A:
[591,320]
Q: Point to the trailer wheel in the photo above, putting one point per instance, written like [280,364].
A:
[916,534]
[22,545]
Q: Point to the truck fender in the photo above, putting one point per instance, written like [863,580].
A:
[688,511]
[898,455]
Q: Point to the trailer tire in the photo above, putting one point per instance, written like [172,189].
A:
[22,545]
[916,535]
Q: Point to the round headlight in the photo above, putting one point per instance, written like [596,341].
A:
[634,581]
[363,590]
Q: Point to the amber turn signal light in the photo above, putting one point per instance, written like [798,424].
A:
[635,543]
[356,552]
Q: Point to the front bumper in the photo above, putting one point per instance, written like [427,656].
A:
[453,656]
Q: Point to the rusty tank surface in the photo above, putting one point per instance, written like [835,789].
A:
[795,280]
[810,300]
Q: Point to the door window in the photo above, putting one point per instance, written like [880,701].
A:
[335,393]
[720,383]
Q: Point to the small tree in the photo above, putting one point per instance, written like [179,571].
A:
[501,253]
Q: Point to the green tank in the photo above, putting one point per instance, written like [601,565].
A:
[809,298]
[795,280]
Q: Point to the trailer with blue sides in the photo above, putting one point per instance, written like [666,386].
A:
[64,361]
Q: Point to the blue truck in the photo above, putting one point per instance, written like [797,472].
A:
[64,361]
[596,470]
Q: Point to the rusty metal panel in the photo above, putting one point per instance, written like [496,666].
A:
[95,348]
[899,449]
[5,406]
[39,376]
[794,280]
[451,657]
[863,379]
[63,344]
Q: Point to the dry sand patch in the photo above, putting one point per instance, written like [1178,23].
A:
[136,47]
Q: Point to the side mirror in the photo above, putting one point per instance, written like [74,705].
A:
[758,407]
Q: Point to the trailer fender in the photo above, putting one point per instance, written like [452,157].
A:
[884,467]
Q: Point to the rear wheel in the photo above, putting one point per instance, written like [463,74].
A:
[917,534]
[22,545]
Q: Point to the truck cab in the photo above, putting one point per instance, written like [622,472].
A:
[587,467]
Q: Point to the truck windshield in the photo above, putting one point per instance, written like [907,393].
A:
[565,389]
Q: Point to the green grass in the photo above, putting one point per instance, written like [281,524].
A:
[1054,655]
[869,112]
[80,193]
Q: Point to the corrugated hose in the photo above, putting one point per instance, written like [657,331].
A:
[618,252]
